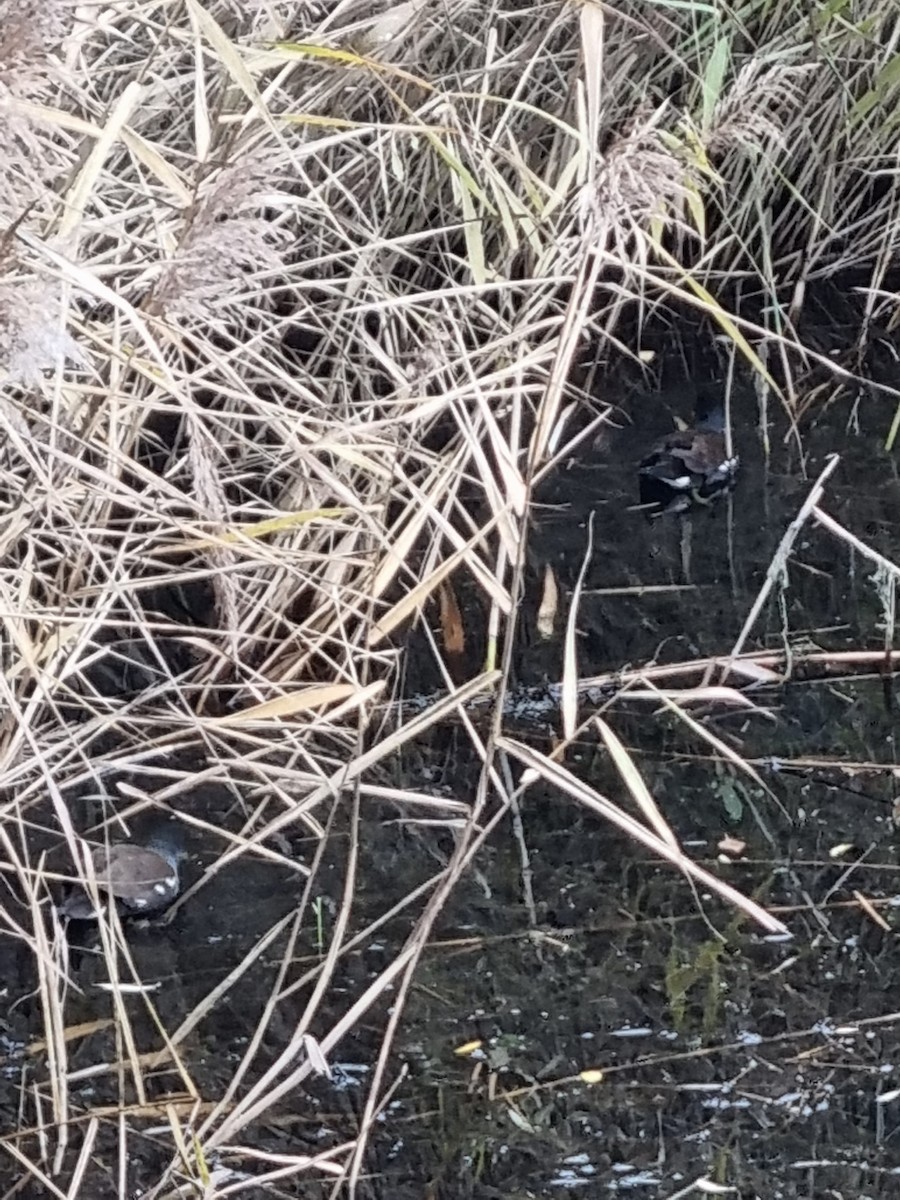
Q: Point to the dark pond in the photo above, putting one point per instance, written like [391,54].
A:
[764,1066]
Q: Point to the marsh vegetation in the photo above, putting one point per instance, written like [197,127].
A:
[525,850]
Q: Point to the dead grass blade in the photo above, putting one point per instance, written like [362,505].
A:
[632,779]
[551,772]
[778,565]
[569,690]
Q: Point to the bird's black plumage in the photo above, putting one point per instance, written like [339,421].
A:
[687,468]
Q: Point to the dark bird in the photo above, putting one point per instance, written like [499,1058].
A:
[688,468]
[141,879]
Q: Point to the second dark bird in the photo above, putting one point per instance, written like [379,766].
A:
[688,468]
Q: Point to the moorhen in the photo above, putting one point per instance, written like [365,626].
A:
[688,468]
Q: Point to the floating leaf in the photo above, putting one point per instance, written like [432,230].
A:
[468,1048]
[592,1075]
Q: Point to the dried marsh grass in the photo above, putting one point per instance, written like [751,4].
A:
[288,311]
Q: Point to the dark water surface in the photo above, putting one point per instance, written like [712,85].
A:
[764,1065]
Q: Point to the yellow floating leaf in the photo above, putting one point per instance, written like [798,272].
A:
[468,1048]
